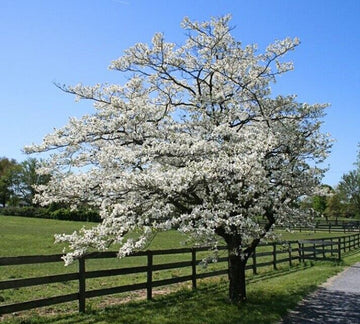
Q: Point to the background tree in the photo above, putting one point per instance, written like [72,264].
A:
[319,201]
[26,179]
[349,190]
[334,207]
[195,140]
[7,169]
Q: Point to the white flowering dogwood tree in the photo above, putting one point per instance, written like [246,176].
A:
[194,141]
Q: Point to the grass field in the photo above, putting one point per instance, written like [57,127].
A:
[33,236]
[270,293]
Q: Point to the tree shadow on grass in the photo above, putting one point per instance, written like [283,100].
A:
[209,304]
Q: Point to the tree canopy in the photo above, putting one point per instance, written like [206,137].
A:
[194,140]
[349,190]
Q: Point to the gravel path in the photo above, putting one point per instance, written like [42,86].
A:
[336,301]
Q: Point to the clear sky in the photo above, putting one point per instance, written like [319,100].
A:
[47,41]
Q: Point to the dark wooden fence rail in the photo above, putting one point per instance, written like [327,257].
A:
[330,226]
[265,255]
[334,226]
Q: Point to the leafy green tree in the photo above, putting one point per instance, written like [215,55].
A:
[319,202]
[7,169]
[26,179]
[349,190]
[334,207]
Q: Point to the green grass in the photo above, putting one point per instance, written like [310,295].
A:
[32,236]
[270,293]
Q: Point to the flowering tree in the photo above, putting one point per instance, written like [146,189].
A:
[195,141]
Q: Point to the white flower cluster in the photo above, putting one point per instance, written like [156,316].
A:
[194,140]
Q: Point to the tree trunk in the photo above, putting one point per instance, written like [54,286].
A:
[237,284]
[237,263]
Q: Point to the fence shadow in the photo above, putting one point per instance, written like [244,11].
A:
[208,304]
[211,305]
[278,273]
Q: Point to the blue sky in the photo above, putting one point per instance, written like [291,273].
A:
[74,41]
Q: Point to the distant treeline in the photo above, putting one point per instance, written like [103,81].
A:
[82,215]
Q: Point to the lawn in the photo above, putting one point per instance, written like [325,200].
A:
[270,293]
[34,236]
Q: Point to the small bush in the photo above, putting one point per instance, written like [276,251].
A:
[83,214]
[36,212]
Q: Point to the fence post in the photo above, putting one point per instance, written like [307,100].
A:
[339,248]
[323,248]
[82,285]
[354,242]
[193,267]
[346,244]
[349,243]
[300,256]
[149,275]
[332,251]
[254,262]
[274,256]
[290,256]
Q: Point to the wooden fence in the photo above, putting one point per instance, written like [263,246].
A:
[327,247]
[265,255]
[331,227]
